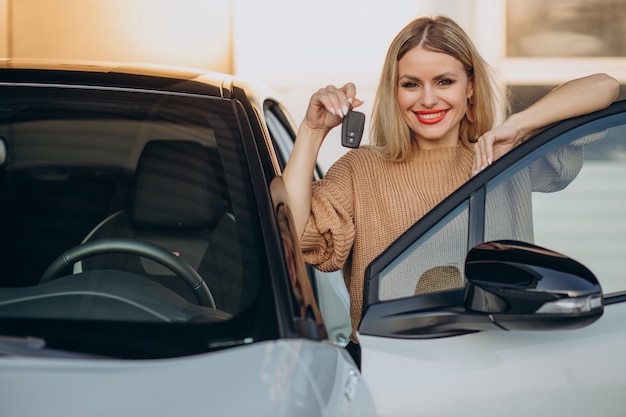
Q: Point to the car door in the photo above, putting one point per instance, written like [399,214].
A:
[564,190]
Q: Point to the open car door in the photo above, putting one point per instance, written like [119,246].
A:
[489,305]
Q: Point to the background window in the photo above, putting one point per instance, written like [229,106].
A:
[566,28]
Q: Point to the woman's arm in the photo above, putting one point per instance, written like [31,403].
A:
[573,98]
[326,110]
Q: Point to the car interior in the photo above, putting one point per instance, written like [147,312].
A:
[90,169]
[178,201]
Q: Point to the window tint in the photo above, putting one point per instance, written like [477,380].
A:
[281,138]
[282,133]
[569,196]
[432,263]
[85,165]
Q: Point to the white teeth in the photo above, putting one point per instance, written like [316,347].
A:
[432,115]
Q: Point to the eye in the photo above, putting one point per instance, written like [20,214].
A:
[408,84]
[445,82]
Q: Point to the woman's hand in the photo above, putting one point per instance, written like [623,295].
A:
[493,144]
[573,98]
[329,105]
[326,110]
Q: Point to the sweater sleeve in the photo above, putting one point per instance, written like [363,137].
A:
[328,236]
[558,168]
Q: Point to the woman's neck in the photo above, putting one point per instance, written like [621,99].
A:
[428,144]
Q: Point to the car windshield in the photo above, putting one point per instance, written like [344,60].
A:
[102,192]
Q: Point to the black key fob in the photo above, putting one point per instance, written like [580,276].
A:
[352,129]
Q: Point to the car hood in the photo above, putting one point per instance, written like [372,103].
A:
[277,378]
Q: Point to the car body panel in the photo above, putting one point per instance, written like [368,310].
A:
[282,378]
[567,372]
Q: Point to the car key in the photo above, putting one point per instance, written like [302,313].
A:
[352,129]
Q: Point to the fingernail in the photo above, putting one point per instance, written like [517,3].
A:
[350,100]
[332,111]
[489,161]
[345,110]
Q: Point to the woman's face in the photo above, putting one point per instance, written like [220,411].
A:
[433,89]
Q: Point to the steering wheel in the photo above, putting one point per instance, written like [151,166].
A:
[62,265]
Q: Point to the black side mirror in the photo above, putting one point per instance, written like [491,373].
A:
[526,287]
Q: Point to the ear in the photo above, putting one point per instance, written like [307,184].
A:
[470,90]
[469,109]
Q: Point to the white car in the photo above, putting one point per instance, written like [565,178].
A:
[149,267]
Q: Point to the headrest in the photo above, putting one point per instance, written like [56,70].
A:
[176,186]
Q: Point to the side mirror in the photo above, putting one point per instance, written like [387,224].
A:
[526,287]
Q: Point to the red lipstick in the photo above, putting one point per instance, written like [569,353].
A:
[430,117]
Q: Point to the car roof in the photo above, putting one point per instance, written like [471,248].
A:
[118,74]
[134,75]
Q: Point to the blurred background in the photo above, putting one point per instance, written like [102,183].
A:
[298,47]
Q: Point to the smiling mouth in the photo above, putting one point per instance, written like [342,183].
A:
[431,118]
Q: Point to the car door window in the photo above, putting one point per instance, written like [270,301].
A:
[433,263]
[567,193]
[569,196]
[282,138]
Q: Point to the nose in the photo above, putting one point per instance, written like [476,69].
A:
[429,96]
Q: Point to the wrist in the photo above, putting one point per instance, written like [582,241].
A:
[313,137]
[515,123]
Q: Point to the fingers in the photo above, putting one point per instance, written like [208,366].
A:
[338,101]
[493,144]
[350,91]
[329,105]
[483,152]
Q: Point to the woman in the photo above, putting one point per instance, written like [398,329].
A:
[432,128]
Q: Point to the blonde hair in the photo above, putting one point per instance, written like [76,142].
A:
[389,133]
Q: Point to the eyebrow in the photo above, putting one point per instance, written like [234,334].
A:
[447,74]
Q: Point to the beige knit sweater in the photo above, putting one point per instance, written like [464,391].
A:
[364,203]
